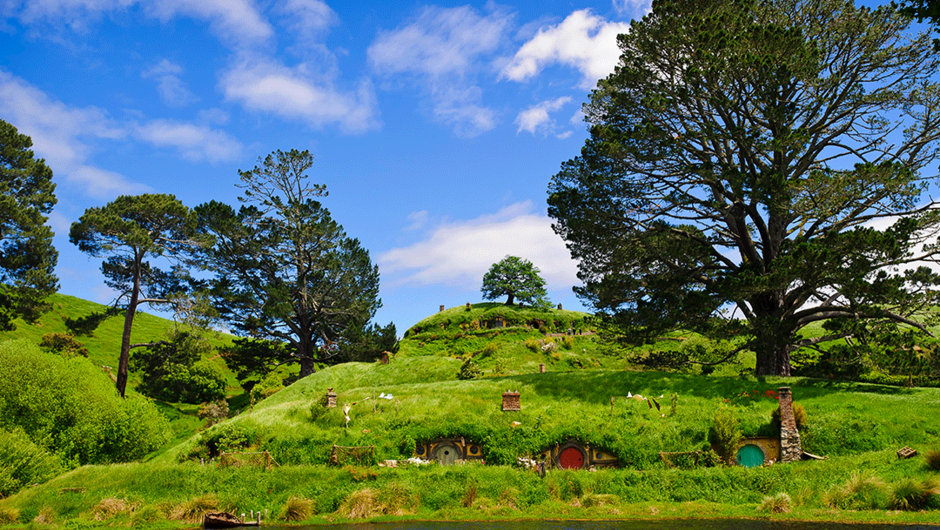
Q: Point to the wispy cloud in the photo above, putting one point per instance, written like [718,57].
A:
[236,22]
[582,41]
[633,8]
[194,142]
[458,253]
[442,51]
[536,119]
[266,85]
[64,135]
[170,85]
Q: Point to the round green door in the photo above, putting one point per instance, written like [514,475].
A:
[750,456]
[446,453]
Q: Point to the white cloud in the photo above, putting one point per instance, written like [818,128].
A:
[536,119]
[291,93]
[308,18]
[459,253]
[236,22]
[582,41]
[418,219]
[194,142]
[61,135]
[633,8]
[442,50]
[170,86]
[105,184]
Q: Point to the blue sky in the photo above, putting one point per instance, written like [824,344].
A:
[435,127]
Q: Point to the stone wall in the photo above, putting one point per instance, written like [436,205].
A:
[791,449]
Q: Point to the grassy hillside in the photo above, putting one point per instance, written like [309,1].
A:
[101,334]
[583,396]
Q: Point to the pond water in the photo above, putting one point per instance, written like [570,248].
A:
[685,524]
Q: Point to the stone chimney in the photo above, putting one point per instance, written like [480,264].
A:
[791,449]
[511,400]
[442,308]
[330,398]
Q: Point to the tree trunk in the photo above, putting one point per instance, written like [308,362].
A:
[772,348]
[124,359]
[307,366]
[511,298]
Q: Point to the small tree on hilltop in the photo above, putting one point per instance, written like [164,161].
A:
[515,278]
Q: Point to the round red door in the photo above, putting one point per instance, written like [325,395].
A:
[571,458]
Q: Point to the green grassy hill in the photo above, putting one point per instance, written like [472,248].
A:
[100,333]
[584,396]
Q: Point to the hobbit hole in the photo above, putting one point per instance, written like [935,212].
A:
[447,451]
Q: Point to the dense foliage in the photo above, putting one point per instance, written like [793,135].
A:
[286,272]
[762,161]
[515,278]
[173,370]
[129,232]
[23,463]
[70,408]
[27,257]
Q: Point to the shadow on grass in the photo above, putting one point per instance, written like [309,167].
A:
[87,324]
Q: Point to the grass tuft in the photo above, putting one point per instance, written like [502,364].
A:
[45,516]
[396,499]
[933,459]
[9,516]
[297,509]
[861,492]
[778,503]
[911,494]
[110,507]
[193,510]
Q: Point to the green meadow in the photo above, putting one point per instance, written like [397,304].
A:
[582,395]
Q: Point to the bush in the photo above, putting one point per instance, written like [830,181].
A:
[173,371]
[267,387]
[22,463]
[71,408]
[9,515]
[214,412]
[63,344]
[469,370]
[725,434]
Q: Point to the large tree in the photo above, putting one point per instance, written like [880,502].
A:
[514,278]
[286,273]
[754,167]
[129,232]
[27,257]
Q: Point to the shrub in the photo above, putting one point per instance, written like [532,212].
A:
[71,408]
[725,434]
[22,462]
[469,370]
[533,344]
[490,348]
[173,371]
[297,509]
[779,503]
[63,344]
[567,342]
[912,494]
[214,412]
[267,387]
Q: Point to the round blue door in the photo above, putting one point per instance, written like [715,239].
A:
[750,456]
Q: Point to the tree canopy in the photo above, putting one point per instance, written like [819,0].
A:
[286,272]
[128,232]
[515,278]
[27,257]
[757,167]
